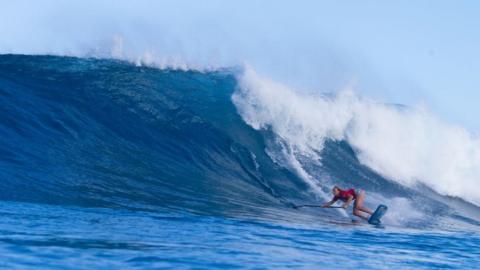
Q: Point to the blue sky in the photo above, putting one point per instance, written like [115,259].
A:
[425,51]
[409,52]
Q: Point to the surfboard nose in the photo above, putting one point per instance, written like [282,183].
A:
[375,219]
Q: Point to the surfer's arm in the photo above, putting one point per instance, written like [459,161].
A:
[328,204]
[348,202]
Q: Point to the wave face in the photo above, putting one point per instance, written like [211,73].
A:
[106,133]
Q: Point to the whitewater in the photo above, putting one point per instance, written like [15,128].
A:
[406,145]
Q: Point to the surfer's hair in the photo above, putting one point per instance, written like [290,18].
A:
[336,187]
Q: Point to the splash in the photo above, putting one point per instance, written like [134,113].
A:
[405,145]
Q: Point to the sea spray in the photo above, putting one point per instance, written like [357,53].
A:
[406,145]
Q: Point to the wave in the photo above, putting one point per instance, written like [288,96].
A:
[107,133]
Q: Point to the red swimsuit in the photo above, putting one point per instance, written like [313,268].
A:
[344,194]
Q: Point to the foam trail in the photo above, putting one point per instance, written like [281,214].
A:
[406,145]
[401,211]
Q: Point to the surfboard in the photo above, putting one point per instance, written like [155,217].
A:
[375,219]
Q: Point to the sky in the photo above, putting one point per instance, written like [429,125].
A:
[417,53]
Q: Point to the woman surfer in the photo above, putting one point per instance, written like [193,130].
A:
[347,196]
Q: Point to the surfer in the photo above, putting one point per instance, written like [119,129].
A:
[347,196]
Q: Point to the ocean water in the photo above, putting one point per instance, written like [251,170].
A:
[109,165]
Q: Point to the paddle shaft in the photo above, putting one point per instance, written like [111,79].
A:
[316,206]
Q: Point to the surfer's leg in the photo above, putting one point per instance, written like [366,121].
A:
[359,203]
[357,213]
[366,210]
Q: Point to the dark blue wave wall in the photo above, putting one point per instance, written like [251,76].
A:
[107,133]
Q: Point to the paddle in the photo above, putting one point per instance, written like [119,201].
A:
[316,206]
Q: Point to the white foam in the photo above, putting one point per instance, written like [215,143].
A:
[407,145]
[401,211]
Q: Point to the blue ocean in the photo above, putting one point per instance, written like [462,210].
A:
[105,164]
